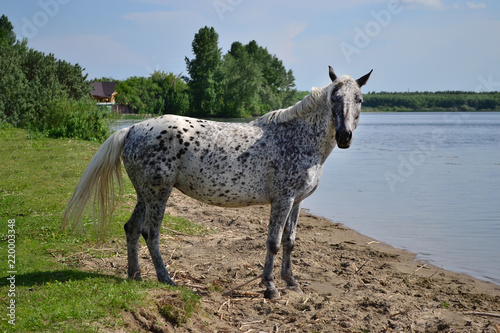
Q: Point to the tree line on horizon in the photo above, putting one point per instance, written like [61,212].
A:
[432,101]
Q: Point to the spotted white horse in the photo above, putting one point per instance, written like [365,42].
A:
[276,159]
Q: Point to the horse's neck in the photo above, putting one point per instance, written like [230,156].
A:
[323,128]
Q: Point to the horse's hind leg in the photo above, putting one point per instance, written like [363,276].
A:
[133,232]
[151,233]
[280,209]
[288,241]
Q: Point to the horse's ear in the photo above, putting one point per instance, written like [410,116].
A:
[332,74]
[362,80]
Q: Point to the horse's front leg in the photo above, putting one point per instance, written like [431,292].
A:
[280,210]
[288,241]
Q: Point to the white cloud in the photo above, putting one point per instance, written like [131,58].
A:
[439,5]
[427,4]
[473,5]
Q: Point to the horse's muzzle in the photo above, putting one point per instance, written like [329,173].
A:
[343,138]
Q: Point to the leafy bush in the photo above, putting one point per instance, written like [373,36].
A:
[81,119]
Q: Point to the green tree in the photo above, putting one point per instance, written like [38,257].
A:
[255,81]
[141,94]
[50,79]
[242,84]
[279,84]
[7,34]
[206,73]
[14,102]
[14,94]
[175,92]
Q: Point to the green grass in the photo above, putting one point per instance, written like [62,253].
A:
[37,178]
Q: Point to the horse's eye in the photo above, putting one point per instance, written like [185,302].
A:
[336,98]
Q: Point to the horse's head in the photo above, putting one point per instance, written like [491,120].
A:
[346,99]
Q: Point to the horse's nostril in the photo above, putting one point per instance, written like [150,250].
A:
[343,136]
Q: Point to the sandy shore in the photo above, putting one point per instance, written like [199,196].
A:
[350,282]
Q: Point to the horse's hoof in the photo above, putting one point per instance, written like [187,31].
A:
[295,288]
[172,283]
[271,294]
[136,277]
[168,281]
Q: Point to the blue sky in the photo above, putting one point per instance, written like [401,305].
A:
[416,45]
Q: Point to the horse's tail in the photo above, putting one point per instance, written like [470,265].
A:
[98,181]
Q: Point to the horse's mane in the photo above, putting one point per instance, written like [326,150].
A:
[316,99]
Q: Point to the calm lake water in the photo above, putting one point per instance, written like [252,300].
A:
[428,183]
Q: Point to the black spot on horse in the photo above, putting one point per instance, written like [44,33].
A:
[164,132]
[185,130]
